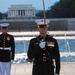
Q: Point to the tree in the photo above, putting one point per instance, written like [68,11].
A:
[61,9]
[5,15]
[1,15]
[40,14]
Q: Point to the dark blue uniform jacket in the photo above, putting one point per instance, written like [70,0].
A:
[43,58]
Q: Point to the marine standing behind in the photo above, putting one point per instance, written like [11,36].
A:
[7,50]
[42,50]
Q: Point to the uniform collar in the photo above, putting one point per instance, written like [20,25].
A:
[4,33]
[42,37]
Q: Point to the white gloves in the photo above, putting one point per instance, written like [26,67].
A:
[56,74]
[42,44]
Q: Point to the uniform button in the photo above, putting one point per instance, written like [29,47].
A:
[3,44]
[4,40]
[44,49]
[43,54]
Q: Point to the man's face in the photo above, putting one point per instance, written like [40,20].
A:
[42,29]
[4,29]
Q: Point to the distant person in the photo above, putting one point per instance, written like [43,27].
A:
[7,49]
[43,50]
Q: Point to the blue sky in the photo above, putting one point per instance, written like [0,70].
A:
[5,4]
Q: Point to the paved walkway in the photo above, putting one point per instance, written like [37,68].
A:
[67,68]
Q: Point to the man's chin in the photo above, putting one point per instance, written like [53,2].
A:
[43,33]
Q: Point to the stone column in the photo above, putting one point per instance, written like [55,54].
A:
[25,12]
[18,12]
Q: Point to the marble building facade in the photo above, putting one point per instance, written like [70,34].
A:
[21,12]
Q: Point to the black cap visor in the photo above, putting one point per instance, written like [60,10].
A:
[4,27]
[42,26]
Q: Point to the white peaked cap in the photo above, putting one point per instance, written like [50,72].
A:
[4,24]
[41,21]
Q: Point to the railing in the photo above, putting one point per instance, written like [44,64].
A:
[24,45]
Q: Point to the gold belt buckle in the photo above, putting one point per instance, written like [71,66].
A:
[44,58]
[3,48]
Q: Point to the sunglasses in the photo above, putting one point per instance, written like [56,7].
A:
[42,26]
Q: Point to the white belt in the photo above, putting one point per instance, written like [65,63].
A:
[6,48]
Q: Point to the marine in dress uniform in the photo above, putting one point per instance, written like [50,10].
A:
[7,50]
[43,50]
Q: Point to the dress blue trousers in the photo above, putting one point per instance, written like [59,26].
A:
[5,68]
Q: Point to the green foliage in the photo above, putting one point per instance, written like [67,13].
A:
[5,15]
[40,15]
[61,9]
[1,15]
